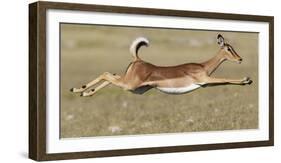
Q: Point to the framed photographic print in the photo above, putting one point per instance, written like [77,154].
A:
[112,81]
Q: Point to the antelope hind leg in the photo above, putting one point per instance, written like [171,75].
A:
[92,83]
[93,91]
[86,86]
[115,80]
[109,79]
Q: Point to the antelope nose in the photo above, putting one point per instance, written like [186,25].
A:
[240,60]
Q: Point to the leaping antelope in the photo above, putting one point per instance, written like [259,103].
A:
[141,76]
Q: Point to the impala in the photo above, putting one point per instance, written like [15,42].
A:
[141,76]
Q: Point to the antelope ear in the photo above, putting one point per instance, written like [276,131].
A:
[220,40]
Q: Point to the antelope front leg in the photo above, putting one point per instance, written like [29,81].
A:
[93,91]
[243,81]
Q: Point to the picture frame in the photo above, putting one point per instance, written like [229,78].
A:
[39,117]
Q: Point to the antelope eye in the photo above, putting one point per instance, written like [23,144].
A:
[228,49]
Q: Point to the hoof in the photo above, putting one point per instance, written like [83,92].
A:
[247,80]
[71,90]
[250,81]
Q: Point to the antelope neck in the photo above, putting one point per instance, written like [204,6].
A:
[212,64]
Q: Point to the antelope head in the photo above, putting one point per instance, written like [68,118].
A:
[228,51]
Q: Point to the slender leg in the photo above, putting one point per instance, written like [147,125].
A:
[210,80]
[86,86]
[93,82]
[116,80]
[109,79]
[93,91]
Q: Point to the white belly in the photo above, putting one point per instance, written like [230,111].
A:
[180,90]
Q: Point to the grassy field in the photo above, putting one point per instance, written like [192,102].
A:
[89,50]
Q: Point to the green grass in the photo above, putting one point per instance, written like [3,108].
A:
[87,51]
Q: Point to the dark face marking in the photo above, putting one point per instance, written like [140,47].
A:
[230,49]
[233,53]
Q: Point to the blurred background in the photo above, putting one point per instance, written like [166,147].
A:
[89,50]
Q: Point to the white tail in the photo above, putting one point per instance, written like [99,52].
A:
[135,46]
